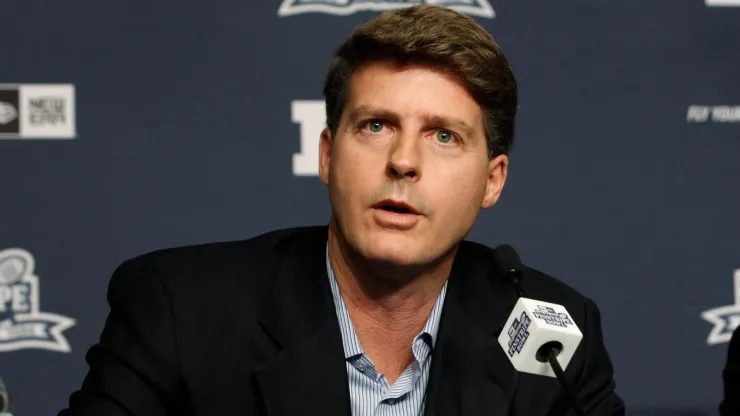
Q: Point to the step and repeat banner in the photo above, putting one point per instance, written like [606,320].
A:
[131,126]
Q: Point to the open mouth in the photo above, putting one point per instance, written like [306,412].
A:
[397,207]
[392,208]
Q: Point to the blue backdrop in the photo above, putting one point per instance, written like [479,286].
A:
[131,126]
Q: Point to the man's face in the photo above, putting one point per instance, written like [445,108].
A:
[408,170]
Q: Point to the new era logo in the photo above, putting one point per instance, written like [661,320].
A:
[9,112]
[37,111]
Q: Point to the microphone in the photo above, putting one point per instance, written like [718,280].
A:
[4,400]
[537,333]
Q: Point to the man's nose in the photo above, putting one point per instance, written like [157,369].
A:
[405,157]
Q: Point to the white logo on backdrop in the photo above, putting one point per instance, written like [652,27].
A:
[713,114]
[311,117]
[43,111]
[22,324]
[724,318]
[480,8]
[8,112]
[722,3]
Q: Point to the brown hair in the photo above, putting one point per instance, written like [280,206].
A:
[435,36]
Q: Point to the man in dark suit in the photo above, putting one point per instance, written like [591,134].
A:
[730,405]
[384,311]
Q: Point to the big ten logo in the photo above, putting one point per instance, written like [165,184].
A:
[311,117]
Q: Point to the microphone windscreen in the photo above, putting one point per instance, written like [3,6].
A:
[506,259]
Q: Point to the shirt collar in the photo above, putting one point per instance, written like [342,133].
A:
[350,341]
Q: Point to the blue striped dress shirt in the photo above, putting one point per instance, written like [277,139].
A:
[370,393]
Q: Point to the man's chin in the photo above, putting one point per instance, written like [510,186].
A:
[395,250]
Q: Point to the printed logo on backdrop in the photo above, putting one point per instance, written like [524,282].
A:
[713,113]
[22,324]
[518,334]
[311,117]
[552,317]
[724,318]
[722,3]
[37,111]
[480,8]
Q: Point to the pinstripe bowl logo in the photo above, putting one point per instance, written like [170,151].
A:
[518,334]
[479,8]
[552,317]
[22,324]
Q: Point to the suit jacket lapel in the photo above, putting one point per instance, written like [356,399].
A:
[471,374]
[308,375]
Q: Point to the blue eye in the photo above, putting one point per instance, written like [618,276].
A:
[444,136]
[375,126]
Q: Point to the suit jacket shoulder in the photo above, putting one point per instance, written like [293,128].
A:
[217,270]
[184,333]
[535,283]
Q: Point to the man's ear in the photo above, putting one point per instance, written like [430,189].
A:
[498,168]
[325,145]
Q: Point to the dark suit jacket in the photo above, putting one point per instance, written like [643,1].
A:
[249,328]
[730,405]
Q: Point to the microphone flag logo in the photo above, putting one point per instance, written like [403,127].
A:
[518,334]
[552,317]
